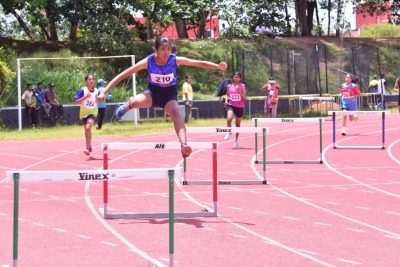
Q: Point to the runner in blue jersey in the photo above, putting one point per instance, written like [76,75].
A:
[161,88]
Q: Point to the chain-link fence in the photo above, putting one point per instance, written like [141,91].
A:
[317,69]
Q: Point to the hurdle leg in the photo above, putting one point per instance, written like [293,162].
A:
[184,172]
[16,218]
[383,130]
[334,129]
[171,217]
[320,140]
[264,156]
[105,182]
[215,179]
[255,142]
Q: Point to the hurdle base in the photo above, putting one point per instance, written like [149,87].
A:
[225,182]
[317,161]
[155,215]
[358,147]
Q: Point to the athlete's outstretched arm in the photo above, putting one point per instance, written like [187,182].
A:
[141,65]
[200,63]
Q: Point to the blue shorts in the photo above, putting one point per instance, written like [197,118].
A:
[162,95]
[90,116]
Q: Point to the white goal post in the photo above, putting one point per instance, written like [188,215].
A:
[19,60]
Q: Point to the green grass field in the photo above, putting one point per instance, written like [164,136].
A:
[109,129]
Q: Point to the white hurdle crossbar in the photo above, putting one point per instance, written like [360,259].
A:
[158,146]
[256,121]
[224,130]
[330,99]
[334,113]
[90,175]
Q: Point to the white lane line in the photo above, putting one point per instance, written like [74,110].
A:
[238,236]
[340,188]
[370,179]
[21,219]
[83,236]
[60,230]
[39,224]
[355,230]
[5,265]
[308,251]
[255,192]
[392,212]
[2,214]
[234,208]
[349,261]
[323,224]
[107,226]
[293,182]
[333,203]
[290,218]
[36,193]
[361,208]
[109,244]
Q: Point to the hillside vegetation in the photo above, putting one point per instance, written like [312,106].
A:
[68,75]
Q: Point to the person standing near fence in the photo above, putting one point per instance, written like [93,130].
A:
[161,91]
[236,96]
[87,98]
[396,88]
[27,98]
[101,105]
[271,98]
[349,92]
[187,94]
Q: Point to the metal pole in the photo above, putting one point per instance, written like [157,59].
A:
[105,182]
[19,94]
[16,219]
[171,217]
[255,139]
[135,111]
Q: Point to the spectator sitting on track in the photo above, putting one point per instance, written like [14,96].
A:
[373,88]
[27,98]
[348,99]
[43,105]
[236,96]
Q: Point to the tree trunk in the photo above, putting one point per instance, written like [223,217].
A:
[287,19]
[73,31]
[44,31]
[338,18]
[202,25]
[329,16]
[52,23]
[181,28]
[303,18]
[317,16]
[311,5]
[23,25]
[149,26]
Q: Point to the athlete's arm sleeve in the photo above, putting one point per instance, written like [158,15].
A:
[79,94]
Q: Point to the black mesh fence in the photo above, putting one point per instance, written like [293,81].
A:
[316,69]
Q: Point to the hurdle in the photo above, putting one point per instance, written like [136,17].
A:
[334,113]
[329,99]
[92,175]
[291,121]
[158,146]
[224,130]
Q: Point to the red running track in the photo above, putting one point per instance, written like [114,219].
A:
[341,213]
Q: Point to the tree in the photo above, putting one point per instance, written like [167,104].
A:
[11,7]
[304,16]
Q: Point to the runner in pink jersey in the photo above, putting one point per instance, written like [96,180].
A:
[236,96]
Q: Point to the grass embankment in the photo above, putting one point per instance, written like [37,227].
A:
[109,129]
